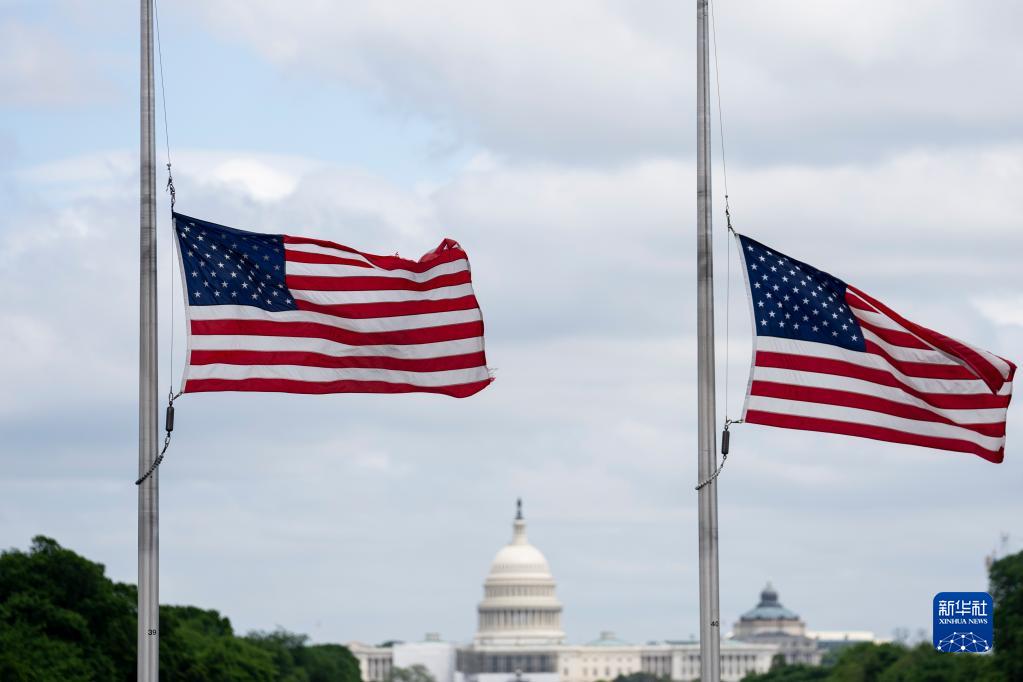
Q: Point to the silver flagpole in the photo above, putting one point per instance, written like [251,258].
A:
[149,509]
[710,630]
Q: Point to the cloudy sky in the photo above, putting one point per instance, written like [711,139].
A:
[880,141]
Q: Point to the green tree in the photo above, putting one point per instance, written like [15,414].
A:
[641,677]
[61,618]
[1006,578]
[413,673]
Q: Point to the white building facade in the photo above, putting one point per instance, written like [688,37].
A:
[519,637]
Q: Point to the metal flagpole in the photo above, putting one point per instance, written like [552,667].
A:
[710,630]
[149,538]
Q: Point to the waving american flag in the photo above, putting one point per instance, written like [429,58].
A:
[270,312]
[828,357]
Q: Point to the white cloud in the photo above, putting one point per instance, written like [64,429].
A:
[39,69]
[608,80]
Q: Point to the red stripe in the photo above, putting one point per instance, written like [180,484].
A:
[894,336]
[787,421]
[430,260]
[310,257]
[318,283]
[314,387]
[804,363]
[985,370]
[924,370]
[363,311]
[301,358]
[449,332]
[828,396]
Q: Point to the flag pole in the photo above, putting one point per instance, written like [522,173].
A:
[149,518]
[710,630]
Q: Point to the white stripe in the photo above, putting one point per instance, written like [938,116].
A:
[316,248]
[881,320]
[931,357]
[1001,366]
[341,297]
[336,270]
[815,380]
[418,351]
[857,416]
[870,360]
[369,325]
[322,374]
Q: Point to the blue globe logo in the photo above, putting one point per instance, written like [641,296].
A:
[962,642]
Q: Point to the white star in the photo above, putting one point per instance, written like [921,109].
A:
[806,318]
[245,285]
[815,328]
[216,293]
[775,287]
[756,284]
[196,294]
[749,248]
[785,279]
[781,324]
[234,294]
[760,304]
[834,333]
[763,323]
[795,325]
[845,327]
[854,337]
[195,273]
[753,266]
[774,269]
[762,259]
[771,313]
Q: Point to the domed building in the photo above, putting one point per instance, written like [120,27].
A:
[519,607]
[771,623]
[519,637]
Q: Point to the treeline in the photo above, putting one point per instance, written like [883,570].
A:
[62,619]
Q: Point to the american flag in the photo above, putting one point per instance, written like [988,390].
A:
[828,357]
[271,312]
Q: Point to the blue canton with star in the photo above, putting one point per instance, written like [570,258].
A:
[225,266]
[793,300]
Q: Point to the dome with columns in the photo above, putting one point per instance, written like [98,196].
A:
[519,606]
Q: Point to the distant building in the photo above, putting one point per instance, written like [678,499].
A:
[519,638]
[771,623]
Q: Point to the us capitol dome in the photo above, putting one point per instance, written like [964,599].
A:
[519,605]
[519,636]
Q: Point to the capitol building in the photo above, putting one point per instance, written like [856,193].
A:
[519,636]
